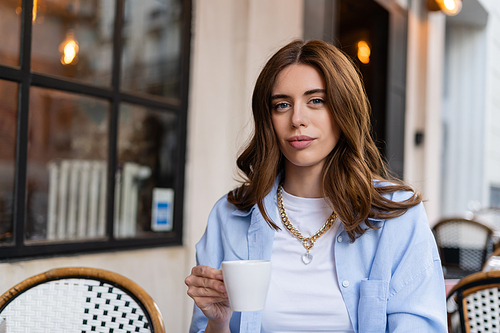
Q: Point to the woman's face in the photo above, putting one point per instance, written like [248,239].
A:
[303,124]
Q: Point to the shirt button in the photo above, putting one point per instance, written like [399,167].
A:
[345,284]
[339,239]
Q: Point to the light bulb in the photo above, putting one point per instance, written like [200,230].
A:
[450,7]
[69,49]
[364,52]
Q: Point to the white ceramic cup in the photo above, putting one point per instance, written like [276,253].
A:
[247,282]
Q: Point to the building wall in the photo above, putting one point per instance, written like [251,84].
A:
[463,119]
[452,82]
[471,110]
[492,100]
[231,40]
[423,104]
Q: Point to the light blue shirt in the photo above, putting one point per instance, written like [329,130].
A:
[390,278]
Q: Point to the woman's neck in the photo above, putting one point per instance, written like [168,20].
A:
[303,182]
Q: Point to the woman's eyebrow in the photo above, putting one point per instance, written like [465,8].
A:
[314,91]
[277,96]
[308,92]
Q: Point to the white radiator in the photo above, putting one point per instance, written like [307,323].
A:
[126,198]
[77,199]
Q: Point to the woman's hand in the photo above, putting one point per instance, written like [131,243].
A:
[206,288]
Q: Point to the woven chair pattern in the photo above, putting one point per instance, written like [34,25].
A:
[464,246]
[469,258]
[75,305]
[489,216]
[483,310]
[473,304]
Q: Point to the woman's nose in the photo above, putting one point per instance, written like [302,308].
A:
[299,116]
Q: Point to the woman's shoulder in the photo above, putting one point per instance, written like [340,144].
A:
[224,210]
[397,192]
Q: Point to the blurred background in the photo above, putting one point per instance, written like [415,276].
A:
[121,120]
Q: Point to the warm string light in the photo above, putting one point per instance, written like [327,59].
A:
[452,7]
[450,4]
[69,49]
[449,7]
[364,52]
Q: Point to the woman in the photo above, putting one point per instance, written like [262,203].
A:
[373,266]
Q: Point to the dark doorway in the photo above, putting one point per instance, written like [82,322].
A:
[383,26]
[364,26]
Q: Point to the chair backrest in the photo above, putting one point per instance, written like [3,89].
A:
[492,260]
[489,216]
[80,300]
[476,301]
[463,245]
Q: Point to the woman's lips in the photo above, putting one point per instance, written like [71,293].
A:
[300,141]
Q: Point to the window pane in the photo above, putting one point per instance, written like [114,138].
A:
[10,30]
[74,39]
[152,47]
[8,125]
[146,171]
[67,163]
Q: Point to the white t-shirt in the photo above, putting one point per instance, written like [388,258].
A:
[304,298]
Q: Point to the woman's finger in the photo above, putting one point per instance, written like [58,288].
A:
[208,272]
[204,272]
[204,292]
[205,287]
[205,282]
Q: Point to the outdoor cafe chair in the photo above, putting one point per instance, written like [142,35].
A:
[489,216]
[79,300]
[473,304]
[463,246]
[493,261]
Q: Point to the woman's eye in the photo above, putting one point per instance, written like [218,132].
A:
[281,106]
[317,101]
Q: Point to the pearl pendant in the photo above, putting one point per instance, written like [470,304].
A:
[307,258]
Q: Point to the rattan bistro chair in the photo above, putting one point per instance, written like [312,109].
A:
[474,304]
[79,300]
[463,246]
[489,216]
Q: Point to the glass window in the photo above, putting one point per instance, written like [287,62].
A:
[10,30]
[74,39]
[152,47]
[78,112]
[67,163]
[8,125]
[145,175]
[495,196]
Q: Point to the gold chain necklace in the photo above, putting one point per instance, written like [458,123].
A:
[307,242]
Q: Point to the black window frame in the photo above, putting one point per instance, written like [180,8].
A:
[25,79]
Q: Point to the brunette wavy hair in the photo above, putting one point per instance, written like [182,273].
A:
[353,165]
